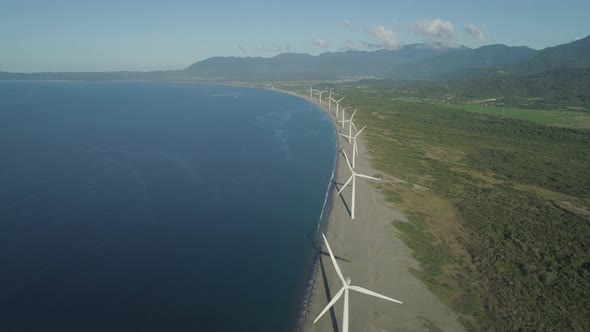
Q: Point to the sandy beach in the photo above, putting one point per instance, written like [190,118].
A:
[371,254]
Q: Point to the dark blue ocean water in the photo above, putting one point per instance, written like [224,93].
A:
[157,206]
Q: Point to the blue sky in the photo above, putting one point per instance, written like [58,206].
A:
[103,35]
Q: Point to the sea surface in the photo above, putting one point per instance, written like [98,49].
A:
[157,206]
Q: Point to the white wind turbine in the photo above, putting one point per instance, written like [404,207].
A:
[343,121]
[337,104]
[346,286]
[330,101]
[320,95]
[350,125]
[353,179]
[355,150]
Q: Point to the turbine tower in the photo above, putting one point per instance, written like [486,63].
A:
[337,103]
[310,91]
[320,93]
[330,101]
[355,150]
[353,179]
[346,286]
[350,124]
[343,121]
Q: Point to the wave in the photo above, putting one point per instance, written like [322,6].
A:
[322,226]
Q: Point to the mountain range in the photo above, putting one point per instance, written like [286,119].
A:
[410,62]
[331,65]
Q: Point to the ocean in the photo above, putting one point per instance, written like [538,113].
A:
[157,206]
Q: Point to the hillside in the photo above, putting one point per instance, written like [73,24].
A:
[331,65]
[563,88]
[571,55]
[575,54]
[557,88]
[462,59]
[410,62]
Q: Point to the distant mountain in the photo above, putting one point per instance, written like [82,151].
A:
[413,61]
[461,59]
[332,65]
[572,55]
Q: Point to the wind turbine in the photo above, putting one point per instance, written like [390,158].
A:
[346,286]
[353,179]
[350,124]
[320,93]
[337,103]
[355,150]
[343,121]
[330,101]
[310,92]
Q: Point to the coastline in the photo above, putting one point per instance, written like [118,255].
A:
[372,255]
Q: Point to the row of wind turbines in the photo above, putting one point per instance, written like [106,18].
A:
[351,139]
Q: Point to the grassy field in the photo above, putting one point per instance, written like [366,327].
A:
[563,118]
[556,118]
[502,230]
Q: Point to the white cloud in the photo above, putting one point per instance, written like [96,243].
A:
[385,37]
[476,32]
[435,30]
[320,43]
[348,25]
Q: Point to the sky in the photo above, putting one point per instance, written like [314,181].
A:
[105,35]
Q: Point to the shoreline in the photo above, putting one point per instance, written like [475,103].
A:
[372,255]
[323,221]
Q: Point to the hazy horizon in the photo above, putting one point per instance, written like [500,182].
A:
[143,36]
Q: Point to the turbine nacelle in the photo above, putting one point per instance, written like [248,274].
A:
[329,99]
[337,104]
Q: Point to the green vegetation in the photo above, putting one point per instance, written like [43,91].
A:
[556,118]
[502,236]
[431,255]
[558,89]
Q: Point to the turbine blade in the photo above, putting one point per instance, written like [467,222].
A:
[348,162]
[368,177]
[360,131]
[346,184]
[368,292]
[334,261]
[334,299]
[344,135]
[353,113]
[356,149]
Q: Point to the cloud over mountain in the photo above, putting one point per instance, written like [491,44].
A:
[474,31]
[435,30]
[320,43]
[385,37]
